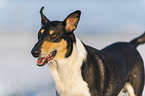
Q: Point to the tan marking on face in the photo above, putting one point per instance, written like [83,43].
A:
[51,32]
[42,30]
[48,47]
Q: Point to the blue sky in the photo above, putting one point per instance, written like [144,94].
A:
[98,16]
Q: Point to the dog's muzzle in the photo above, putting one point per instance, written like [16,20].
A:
[44,60]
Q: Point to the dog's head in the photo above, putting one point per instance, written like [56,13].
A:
[55,38]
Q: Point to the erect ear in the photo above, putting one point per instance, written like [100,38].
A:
[71,21]
[43,17]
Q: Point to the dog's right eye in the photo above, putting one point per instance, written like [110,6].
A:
[54,36]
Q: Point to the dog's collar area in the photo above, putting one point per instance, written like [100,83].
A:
[44,60]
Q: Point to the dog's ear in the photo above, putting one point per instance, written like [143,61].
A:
[43,17]
[71,21]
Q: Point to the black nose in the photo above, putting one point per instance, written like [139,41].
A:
[35,53]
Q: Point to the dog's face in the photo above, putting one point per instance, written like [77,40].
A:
[55,38]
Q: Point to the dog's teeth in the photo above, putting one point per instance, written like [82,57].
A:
[43,60]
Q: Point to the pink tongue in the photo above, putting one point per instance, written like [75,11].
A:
[41,61]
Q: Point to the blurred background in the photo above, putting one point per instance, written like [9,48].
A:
[102,22]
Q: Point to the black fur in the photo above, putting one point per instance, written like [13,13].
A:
[58,27]
[105,71]
[121,63]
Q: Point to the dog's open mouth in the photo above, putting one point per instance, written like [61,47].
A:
[44,60]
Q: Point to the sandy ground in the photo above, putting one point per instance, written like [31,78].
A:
[19,74]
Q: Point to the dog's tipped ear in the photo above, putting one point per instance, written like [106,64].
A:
[71,21]
[43,17]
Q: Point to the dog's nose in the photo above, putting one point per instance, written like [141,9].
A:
[35,53]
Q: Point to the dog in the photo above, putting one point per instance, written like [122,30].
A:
[80,70]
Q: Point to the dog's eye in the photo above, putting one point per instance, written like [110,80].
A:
[53,35]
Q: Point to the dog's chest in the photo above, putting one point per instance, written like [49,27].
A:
[73,84]
[68,79]
[67,74]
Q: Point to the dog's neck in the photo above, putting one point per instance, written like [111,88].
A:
[67,72]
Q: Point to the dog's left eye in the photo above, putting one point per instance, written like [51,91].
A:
[53,35]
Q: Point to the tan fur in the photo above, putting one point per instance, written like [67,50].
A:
[42,31]
[48,47]
[51,32]
[70,24]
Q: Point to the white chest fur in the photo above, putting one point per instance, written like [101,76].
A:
[67,73]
